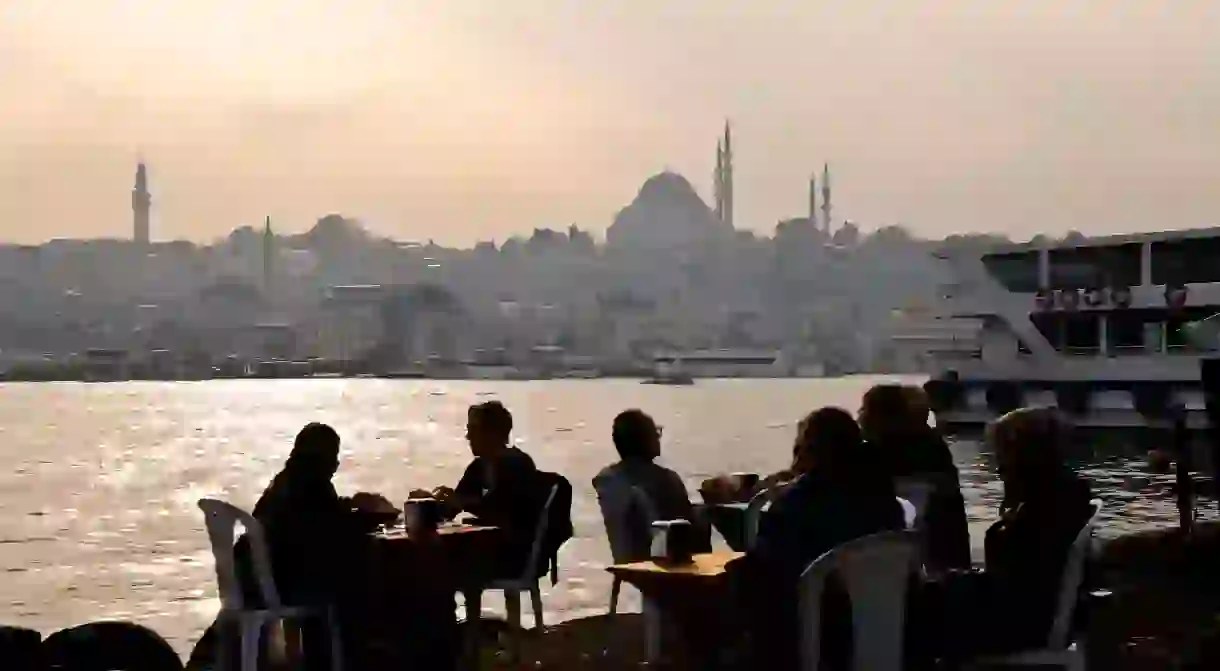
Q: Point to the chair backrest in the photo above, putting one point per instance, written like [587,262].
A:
[533,564]
[755,508]
[875,571]
[918,491]
[616,497]
[221,520]
[1069,583]
[910,514]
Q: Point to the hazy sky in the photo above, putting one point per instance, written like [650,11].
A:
[480,118]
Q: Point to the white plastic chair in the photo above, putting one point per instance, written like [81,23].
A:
[755,508]
[528,582]
[874,570]
[1060,649]
[616,498]
[615,501]
[221,520]
[909,513]
[918,492]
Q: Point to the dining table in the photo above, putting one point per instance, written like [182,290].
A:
[695,599]
[424,571]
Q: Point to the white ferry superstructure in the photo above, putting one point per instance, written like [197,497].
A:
[1107,329]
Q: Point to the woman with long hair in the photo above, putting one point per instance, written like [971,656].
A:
[838,497]
[1012,603]
[895,422]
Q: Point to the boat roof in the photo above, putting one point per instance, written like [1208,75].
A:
[1089,241]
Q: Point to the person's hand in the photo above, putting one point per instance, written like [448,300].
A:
[443,494]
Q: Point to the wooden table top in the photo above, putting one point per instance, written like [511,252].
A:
[706,565]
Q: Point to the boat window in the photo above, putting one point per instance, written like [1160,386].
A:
[1050,326]
[1184,261]
[1081,334]
[1017,271]
[1085,267]
[1125,333]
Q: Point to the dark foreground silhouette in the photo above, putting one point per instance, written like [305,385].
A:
[97,646]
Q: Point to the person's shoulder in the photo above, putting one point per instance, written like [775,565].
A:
[520,456]
[608,474]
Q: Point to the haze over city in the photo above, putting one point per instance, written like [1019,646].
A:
[481,119]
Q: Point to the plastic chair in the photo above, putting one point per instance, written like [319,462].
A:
[875,571]
[755,508]
[1060,649]
[221,520]
[615,500]
[918,492]
[528,582]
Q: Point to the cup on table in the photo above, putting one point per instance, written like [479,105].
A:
[673,541]
[421,516]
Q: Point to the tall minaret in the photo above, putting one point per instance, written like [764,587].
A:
[718,182]
[141,205]
[826,197]
[813,201]
[727,178]
[268,258]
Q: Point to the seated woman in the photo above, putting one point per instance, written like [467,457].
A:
[317,542]
[840,497]
[637,439]
[1012,603]
[895,421]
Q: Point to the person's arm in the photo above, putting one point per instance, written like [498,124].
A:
[469,491]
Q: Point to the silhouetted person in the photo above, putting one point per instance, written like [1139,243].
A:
[311,530]
[1011,605]
[894,420]
[500,487]
[637,438]
[840,496]
[315,538]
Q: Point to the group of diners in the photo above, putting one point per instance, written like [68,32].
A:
[840,486]
[320,545]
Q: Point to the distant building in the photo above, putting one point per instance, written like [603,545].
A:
[141,207]
[667,214]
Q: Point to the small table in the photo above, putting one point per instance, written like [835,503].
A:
[458,558]
[693,597]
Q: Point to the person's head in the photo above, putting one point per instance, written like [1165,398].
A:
[885,410]
[1030,446]
[828,439]
[315,452]
[636,435]
[488,426]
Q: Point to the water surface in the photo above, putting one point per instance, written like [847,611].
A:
[98,483]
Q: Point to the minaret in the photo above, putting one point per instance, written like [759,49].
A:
[718,182]
[826,197]
[141,205]
[268,258]
[813,201]
[727,178]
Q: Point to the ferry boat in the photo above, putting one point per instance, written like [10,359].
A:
[1111,330]
[720,363]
